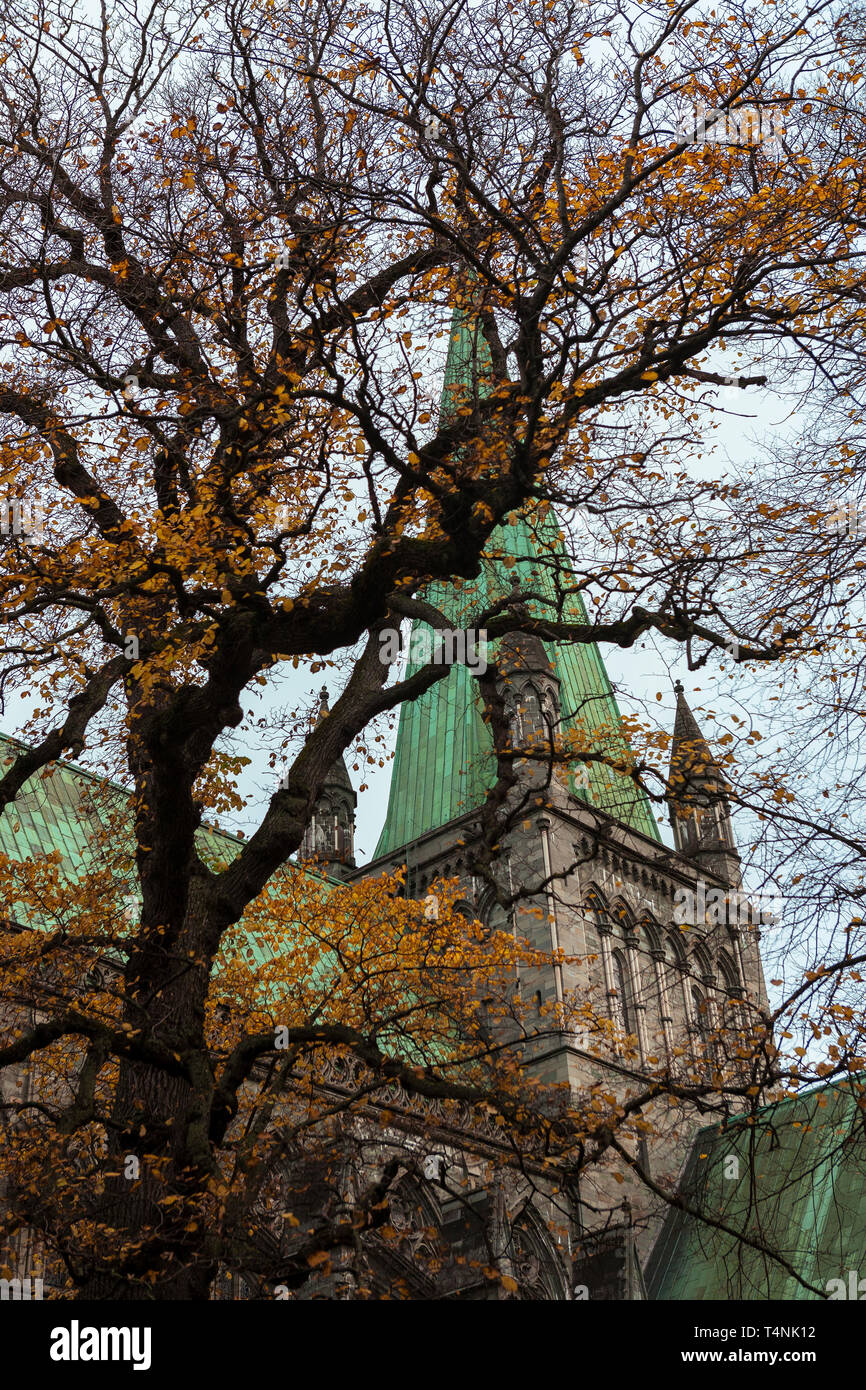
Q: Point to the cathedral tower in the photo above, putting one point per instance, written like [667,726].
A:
[330,835]
[699,810]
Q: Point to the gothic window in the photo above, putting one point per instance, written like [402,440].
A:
[592,963]
[549,717]
[323,821]
[730,976]
[621,995]
[616,941]
[678,993]
[343,831]
[529,721]
[495,917]
[662,1036]
[699,1011]
[726,1007]
[703,1028]
[410,1263]
[598,934]
[485,1020]
[702,967]
[650,933]
[534,1260]
[595,907]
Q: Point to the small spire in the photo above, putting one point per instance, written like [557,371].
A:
[689,743]
[697,796]
[323,704]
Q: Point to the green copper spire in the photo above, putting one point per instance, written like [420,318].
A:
[442,763]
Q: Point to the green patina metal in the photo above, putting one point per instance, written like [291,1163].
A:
[87,820]
[442,762]
[799,1191]
[69,811]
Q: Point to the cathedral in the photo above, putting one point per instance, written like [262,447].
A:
[657,940]
[584,872]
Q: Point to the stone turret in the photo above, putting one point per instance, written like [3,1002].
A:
[697,799]
[531,689]
[330,835]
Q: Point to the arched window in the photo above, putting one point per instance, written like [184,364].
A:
[595,928]
[529,722]
[621,993]
[533,1257]
[656,975]
[703,1029]
[343,833]
[699,1011]
[415,1255]
[679,999]
[324,823]
[549,718]
[730,976]
[485,1020]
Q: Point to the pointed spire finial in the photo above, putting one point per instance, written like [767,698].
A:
[697,797]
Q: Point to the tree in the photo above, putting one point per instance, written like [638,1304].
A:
[230,250]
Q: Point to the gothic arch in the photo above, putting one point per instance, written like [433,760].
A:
[413,1261]
[491,912]
[651,933]
[548,708]
[655,988]
[595,927]
[526,703]
[464,909]
[597,914]
[677,951]
[618,947]
[703,968]
[678,985]
[703,1027]
[621,917]
[729,975]
[622,991]
[594,899]
[534,1259]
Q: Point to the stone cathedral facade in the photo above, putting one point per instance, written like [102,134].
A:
[615,901]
